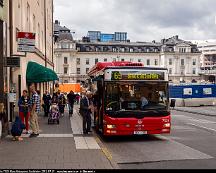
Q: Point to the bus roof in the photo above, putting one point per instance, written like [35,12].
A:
[100,66]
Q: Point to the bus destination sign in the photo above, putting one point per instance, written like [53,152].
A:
[137,75]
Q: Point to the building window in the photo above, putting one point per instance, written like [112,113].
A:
[131,59]
[148,61]
[170,61]
[194,70]
[65,70]
[96,60]
[139,60]
[78,70]
[78,61]
[87,61]
[114,59]
[182,50]
[131,50]
[156,62]
[170,71]
[122,60]
[105,59]
[65,46]
[194,61]
[87,69]
[182,72]
[114,49]
[65,81]
[65,60]
[182,62]
[28,16]
[122,49]
[34,23]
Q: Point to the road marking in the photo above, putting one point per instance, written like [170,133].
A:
[47,136]
[86,143]
[107,153]
[196,125]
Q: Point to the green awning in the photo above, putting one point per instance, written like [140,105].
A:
[37,73]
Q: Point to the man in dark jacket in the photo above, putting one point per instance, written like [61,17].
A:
[17,129]
[71,99]
[85,110]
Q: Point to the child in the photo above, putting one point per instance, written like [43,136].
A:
[17,129]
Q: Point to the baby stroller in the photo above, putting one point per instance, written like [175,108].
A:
[54,114]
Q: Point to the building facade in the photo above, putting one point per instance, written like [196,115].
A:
[182,58]
[98,36]
[208,61]
[35,17]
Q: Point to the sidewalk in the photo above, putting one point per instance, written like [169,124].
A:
[203,110]
[57,147]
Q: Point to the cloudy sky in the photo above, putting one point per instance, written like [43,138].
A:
[144,20]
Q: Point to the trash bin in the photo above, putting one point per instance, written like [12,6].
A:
[172,103]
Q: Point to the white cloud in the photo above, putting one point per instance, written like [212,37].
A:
[144,20]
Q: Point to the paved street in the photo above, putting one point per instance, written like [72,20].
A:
[59,146]
[190,145]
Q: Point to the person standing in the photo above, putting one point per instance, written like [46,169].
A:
[85,109]
[47,101]
[71,99]
[35,109]
[2,116]
[61,103]
[24,111]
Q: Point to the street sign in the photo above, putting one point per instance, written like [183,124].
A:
[26,42]
[25,48]
[12,62]
[12,97]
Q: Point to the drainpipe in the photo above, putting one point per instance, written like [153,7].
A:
[11,53]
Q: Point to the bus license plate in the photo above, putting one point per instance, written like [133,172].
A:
[140,132]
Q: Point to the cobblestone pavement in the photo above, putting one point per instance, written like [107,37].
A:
[203,110]
[57,147]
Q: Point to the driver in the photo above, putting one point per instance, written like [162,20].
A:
[144,102]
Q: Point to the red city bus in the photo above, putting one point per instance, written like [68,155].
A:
[131,99]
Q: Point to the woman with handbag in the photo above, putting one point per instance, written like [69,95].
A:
[24,112]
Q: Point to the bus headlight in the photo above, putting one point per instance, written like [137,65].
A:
[111,126]
[167,125]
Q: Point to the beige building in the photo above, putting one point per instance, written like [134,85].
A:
[34,16]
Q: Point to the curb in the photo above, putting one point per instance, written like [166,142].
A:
[193,112]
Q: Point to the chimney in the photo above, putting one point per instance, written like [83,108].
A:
[153,41]
[176,37]
[163,41]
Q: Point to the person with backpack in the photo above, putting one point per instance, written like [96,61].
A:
[24,109]
[17,129]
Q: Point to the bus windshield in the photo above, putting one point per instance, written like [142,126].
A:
[140,98]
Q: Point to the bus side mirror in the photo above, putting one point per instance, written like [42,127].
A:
[172,103]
